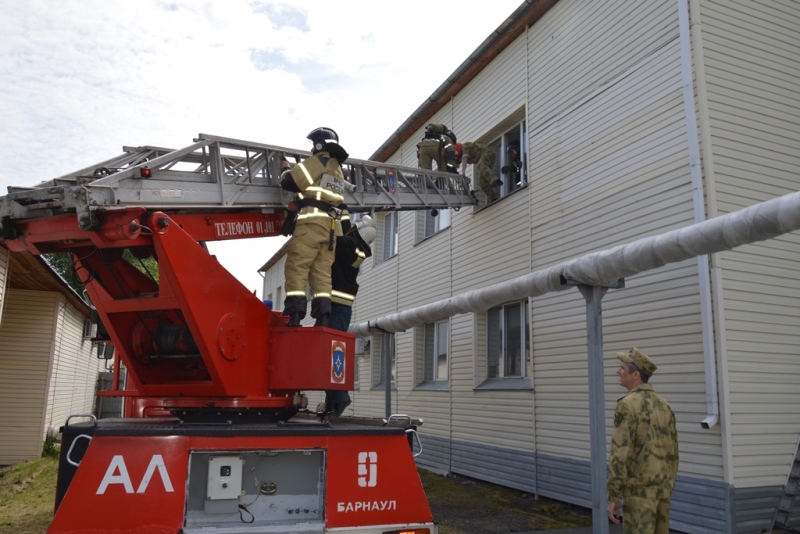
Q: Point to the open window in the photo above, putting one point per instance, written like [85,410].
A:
[507,145]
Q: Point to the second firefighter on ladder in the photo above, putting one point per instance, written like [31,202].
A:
[319,184]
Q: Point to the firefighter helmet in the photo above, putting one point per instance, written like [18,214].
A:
[366,229]
[322,135]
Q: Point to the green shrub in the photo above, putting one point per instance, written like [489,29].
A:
[50,447]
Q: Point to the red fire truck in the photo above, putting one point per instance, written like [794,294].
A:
[216,436]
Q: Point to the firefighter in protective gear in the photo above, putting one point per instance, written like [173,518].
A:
[482,159]
[319,184]
[436,145]
[514,167]
[351,251]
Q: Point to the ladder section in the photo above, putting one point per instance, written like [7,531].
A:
[787,515]
[217,173]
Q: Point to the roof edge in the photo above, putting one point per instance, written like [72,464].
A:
[524,16]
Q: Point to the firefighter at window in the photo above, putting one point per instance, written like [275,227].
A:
[436,145]
[351,250]
[482,159]
[313,220]
[513,167]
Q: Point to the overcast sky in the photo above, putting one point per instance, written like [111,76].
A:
[83,78]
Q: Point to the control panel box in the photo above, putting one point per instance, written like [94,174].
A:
[224,477]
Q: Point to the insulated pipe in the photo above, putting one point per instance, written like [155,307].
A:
[755,223]
[698,200]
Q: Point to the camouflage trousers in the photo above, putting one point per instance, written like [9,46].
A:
[485,179]
[483,174]
[645,516]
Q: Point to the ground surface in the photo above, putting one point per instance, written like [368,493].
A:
[462,505]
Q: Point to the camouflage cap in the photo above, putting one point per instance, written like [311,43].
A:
[641,360]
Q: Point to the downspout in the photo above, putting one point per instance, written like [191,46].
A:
[698,202]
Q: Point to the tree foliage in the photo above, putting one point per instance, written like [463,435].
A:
[61,262]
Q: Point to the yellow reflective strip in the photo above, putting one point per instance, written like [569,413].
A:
[360,254]
[322,295]
[318,215]
[326,192]
[343,295]
[306,173]
[295,293]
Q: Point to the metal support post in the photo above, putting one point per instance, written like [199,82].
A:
[597,427]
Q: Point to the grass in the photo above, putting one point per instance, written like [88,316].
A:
[27,494]
[460,503]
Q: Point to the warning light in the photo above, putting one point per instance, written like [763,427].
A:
[145,172]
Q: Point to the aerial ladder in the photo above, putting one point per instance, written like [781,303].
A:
[214,438]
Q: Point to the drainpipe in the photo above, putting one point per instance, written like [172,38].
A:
[698,201]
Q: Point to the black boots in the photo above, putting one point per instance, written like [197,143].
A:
[295,308]
[295,318]
[321,310]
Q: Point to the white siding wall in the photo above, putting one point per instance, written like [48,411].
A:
[75,368]
[608,166]
[752,69]
[26,345]
[608,163]
[275,284]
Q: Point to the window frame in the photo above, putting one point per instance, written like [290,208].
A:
[502,378]
[428,225]
[392,229]
[387,342]
[428,354]
[505,140]
[498,143]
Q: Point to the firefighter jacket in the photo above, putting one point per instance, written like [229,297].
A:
[643,461]
[318,179]
[351,251]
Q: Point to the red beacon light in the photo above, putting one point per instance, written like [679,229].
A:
[145,172]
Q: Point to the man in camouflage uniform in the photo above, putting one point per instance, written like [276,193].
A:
[482,159]
[643,462]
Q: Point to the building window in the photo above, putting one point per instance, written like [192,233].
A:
[435,352]
[390,235]
[507,341]
[510,161]
[510,156]
[433,224]
[384,354]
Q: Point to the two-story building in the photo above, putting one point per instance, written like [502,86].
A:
[634,118]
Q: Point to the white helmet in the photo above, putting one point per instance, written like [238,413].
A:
[366,229]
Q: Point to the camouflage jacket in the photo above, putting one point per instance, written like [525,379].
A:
[644,448]
[476,151]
